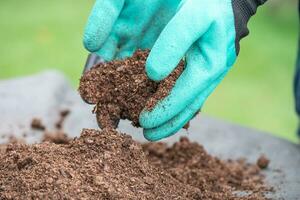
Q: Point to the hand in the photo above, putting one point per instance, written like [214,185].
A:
[117,28]
[207,34]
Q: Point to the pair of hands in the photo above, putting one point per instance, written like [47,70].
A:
[204,32]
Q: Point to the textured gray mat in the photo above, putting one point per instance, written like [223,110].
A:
[44,95]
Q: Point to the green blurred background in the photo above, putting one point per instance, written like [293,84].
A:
[38,35]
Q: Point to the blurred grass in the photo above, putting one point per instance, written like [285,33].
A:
[37,35]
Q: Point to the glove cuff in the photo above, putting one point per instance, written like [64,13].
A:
[243,10]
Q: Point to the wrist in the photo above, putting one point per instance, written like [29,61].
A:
[243,11]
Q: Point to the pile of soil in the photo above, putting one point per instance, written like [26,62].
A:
[121,89]
[189,163]
[98,165]
[109,165]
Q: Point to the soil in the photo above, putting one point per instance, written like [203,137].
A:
[217,179]
[63,115]
[57,137]
[37,124]
[121,89]
[263,162]
[109,165]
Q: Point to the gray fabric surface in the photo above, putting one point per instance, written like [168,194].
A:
[45,94]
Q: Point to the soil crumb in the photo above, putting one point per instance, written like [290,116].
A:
[37,124]
[121,89]
[63,115]
[57,137]
[11,140]
[109,165]
[263,162]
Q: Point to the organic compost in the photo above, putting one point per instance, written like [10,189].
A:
[110,165]
[121,89]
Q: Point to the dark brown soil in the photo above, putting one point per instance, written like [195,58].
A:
[109,165]
[63,115]
[121,89]
[217,179]
[263,162]
[57,137]
[98,165]
[37,124]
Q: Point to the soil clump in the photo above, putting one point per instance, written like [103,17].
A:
[263,162]
[121,89]
[57,137]
[37,124]
[62,117]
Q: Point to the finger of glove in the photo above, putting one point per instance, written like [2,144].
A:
[100,23]
[109,48]
[163,15]
[185,28]
[126,46]
[130,27]
[205,61]
[175,124]
[126,51]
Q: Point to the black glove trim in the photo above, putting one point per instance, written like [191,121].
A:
[243,10]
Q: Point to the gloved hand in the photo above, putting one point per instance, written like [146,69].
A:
[207,33]
[117,28]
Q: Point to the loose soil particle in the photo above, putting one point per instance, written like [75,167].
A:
[37,124]
[109,165]
[63,115]
[263,162]
[57,137]
[121,90]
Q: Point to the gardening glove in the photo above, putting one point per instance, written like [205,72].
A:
[117,28]
[207,34]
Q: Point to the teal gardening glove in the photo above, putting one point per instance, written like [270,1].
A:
[117,28]
[204,32]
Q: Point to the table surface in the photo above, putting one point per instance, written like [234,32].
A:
[44,95]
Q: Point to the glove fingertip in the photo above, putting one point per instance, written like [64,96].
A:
[107,56]
[153,73]
[144,120]
[100,23]
[154,70]
[124,54]
[153,137]
[90,43]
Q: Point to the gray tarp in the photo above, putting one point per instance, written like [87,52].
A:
[44,95]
